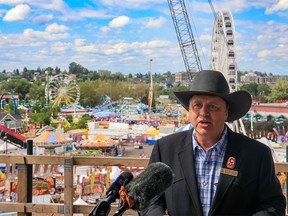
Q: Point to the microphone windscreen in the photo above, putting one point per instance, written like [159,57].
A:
[149,185]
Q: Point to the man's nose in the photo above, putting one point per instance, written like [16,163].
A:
[204,111]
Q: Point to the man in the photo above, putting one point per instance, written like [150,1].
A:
[217,171]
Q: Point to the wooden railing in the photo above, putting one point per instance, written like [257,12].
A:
[23,207]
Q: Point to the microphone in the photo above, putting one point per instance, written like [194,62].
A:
[146,187]
[103,208]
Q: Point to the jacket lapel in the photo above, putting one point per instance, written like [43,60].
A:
[229,172]
[186,158]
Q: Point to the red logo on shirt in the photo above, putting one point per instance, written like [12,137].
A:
[231,162]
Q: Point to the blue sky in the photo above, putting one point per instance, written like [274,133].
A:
[123,35]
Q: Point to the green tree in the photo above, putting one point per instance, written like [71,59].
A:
[77,69]
[251,88]
[18,87]
[263,90]
[279,90]
[37,92]
[43,116]
[105,74]
[26,74]
[82,123]
[118,76]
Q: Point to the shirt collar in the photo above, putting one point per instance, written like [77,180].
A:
[219,146]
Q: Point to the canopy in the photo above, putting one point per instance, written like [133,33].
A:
[152,132]
[51,139]
[99,141]
[186,127]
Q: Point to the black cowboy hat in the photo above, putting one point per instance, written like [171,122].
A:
[210,82]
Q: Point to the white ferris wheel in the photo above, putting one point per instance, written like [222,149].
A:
[61,89]
[223,49]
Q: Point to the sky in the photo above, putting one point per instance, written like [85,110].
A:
[124,35]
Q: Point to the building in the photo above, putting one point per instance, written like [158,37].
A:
[13,122]
[182,77]
[256,77]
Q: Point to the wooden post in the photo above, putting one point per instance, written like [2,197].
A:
[22,186]
[29,174]
[68,187]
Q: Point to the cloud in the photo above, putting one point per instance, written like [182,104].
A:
[119,22]
[43,19]
[40,35]
[263,53]
[105,29]
[55,28]
[119,47]
[264,37]
[93,14]
[132,4]
[205,37]
[155,23]
[60,47]
[281,5]
[18,13]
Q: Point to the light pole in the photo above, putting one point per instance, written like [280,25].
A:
[150,96]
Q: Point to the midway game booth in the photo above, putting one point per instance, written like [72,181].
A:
[99,144]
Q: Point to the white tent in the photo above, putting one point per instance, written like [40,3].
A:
[186,127]
[79,201]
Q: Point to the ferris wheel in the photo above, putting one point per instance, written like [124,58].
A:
[61,89]
[223,49]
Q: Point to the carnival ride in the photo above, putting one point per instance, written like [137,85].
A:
[109,108]
[223,49]
[9,95]
[61,89]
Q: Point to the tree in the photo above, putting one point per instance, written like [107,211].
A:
[263,90]
[26,74]
[93,75]
[251,88]
[77,69]
[279,90]
[43,116]
[104,74]
[118,76]
[37,92]
[18,86]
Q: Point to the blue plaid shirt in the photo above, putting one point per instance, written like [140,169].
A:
[207,166]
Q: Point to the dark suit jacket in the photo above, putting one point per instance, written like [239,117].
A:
[254,191]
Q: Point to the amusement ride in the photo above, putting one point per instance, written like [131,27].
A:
[61,89]
[223,49]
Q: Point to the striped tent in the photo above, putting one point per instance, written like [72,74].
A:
[51,139]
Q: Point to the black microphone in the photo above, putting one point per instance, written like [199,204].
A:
[147,187]
[103,208]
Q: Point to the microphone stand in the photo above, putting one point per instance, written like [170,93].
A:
[103,208]
[121,210]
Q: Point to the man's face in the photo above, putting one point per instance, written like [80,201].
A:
[208,115]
